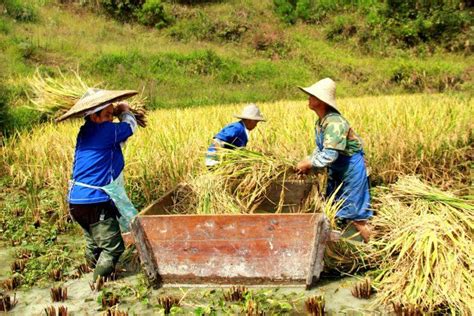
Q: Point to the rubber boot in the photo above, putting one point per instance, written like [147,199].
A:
[108,238]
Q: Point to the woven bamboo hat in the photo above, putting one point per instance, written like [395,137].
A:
[324,90]
[251,112]
[94,98]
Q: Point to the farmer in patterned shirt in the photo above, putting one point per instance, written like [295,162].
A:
[340,150]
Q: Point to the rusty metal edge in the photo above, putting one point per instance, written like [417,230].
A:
[316,264]
[145,252]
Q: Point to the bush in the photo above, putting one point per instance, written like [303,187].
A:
[123,10]
[418,78]
[200,26]
[271,41]
[343,27]
[4,99]
[20,10]
[153,13]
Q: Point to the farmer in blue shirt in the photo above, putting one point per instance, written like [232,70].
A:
[97,176]
[235,134]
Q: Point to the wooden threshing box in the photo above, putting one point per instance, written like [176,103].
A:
[230,249]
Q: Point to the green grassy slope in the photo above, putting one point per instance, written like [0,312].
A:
[223,52]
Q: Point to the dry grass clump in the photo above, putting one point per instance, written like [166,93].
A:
[424,242]
[18,265]
[315,305]
[58,294]
[235,294]
[52,311]
[362,289]
[11,283]
[114,311]
[7,302]
[98,284]
[109,299]
[167,302]
[56,274]
[406,310]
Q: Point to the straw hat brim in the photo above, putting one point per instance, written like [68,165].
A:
[94,101]
[331,103]
[243,117]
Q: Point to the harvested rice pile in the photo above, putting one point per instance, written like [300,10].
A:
[239,183]
[424,248]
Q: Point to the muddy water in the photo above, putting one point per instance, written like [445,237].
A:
[82,301]
[6,259]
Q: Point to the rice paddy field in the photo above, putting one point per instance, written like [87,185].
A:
[419,149]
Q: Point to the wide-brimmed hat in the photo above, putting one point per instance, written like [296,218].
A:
[324,90]
[250,112]
[94,98]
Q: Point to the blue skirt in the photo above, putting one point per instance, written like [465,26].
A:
[352,174]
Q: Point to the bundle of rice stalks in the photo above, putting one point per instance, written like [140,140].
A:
[347,254]
[209,196]
[55,95]
[424,242]
[246,175]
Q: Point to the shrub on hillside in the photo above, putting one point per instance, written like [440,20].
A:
[200,26]
[417,78]
[20,10]
[153,13]
[343,27]
[123,10]
[4,96]
[270,40]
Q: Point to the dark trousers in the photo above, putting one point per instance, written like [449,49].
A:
[104,243]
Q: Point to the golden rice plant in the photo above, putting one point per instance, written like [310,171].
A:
[424,248]
[402,135]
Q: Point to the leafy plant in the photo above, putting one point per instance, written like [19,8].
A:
[154,13]
[21,10]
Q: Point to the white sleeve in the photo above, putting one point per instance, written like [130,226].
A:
[129,118]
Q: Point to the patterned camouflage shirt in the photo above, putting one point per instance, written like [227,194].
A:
[337,134]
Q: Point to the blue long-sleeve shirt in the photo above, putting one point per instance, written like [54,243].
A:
[231,136]
[98,158]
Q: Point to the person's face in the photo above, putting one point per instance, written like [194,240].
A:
[106,115]
[250,124]
[315,104]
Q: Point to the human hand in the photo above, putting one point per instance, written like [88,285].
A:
[303,167]
[121,107]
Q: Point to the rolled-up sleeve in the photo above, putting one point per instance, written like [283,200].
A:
[129,118]
[323,158]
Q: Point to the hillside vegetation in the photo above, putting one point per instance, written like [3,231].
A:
[193,53]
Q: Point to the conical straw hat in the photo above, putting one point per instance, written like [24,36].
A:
[324,90]
[250,112]
[94,98]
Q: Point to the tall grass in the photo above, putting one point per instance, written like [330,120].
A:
[430,135]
